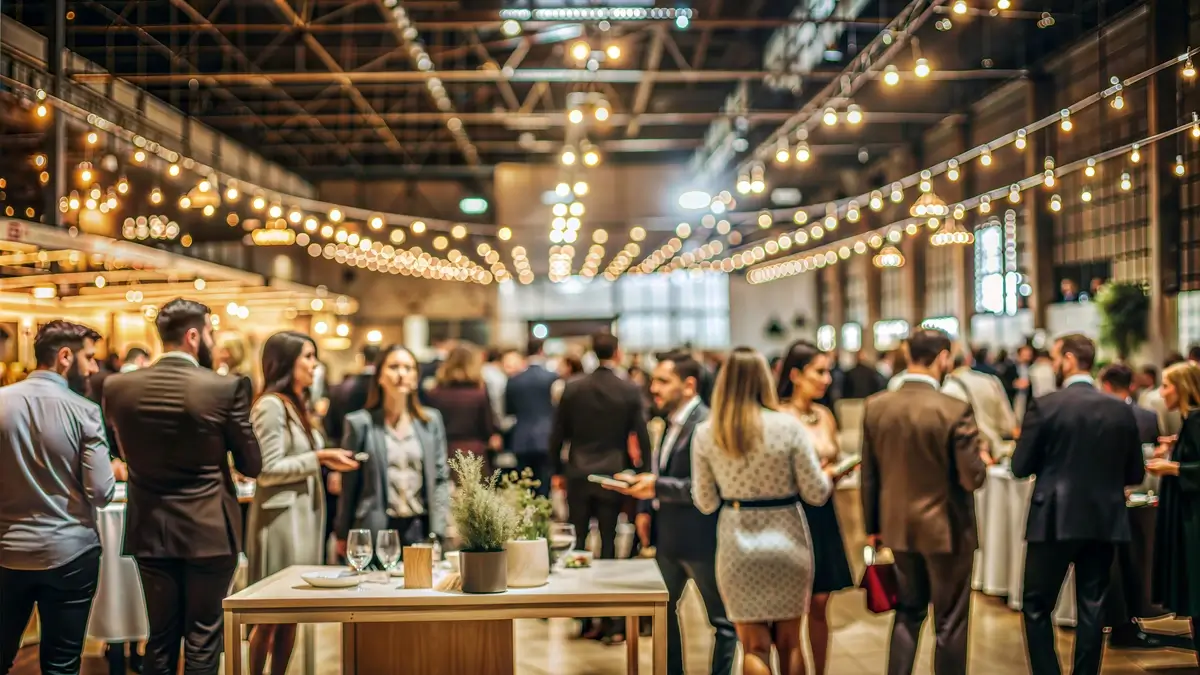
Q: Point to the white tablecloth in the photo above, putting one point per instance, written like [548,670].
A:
[1001,508]
[119,610]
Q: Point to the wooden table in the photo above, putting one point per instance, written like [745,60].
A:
[388,629]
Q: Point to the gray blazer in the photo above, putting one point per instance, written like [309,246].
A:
[363,502]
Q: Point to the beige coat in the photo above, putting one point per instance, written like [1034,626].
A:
[287,518]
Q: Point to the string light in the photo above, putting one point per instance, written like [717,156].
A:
[335,215]
[799,217]
[1086,195]
[568,157]
[926,185]
[952,169]
[1056,203]
[1003,4]
[42,110]
[921,68]
[1126,182]
[173,170]
[1180,169]
[139,156]
[418,227]
[92,138]
[1014,193]
[276,211]
[205,186]
[1189,71]
[1135,156]
[575,116]
[876,202]
[830,117]
[1090,170]
[891,75]
[783,154]
[1065,124]
[854,114]
[985,204]
[1020,142]
[960,7]
[580,188]
[156,196]
[985,157]
[803,154]
[231,193]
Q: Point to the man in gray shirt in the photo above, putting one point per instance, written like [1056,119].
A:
[54,474]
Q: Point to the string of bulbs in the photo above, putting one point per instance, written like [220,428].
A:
[891,233]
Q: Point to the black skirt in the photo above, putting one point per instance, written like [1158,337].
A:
[831,570]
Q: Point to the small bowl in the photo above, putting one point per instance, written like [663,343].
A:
[577,559]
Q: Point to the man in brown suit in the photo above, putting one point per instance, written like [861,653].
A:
[176,423]
[922,458]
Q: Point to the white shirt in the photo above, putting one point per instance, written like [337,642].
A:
[129,368]
[180,355]
[924,379]
[1076,379]
[678,419]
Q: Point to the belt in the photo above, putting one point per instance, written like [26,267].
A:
[777,502]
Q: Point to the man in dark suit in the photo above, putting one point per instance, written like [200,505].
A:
[176,423]
[922,460]
[685,539]
[597,416]
[528,401]
[1084,447]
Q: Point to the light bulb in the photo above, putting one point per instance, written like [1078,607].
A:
[580,50]
[575,116]
[295,217]
[258,203]
[986,158]
[577,209]
[1055,203]
[613,52]
[156,197]
[1179,167]
[276,211]
[568,157]
[960,7]
[204,186]
[1003,4]
[921,68]
[510,28]
[173,170]
[854,114]
[601,113]
[1118,102]
[1189,71]
[85,175]
[782,155]
[758,186]
[1049,178]
[1020,142]
[335,215]
[580,188]
[139,156]
[1196,130]
[1126,183]
[185,202]
[591,158]
[1014,194]
[1086,195]
[562,189]
[743,185]
[830,118]
[418,227]
[800,217]
[42,110]
[891,76]
[1135,156]
[209,210]
[952,170]
[1090,170]
[1066,124]
[803,154]
[92,138]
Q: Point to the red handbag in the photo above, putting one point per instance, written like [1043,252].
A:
[879,582]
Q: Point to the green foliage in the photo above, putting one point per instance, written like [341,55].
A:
[1125,317]
[483,515]
[533,510]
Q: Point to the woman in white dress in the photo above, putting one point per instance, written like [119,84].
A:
[757,465]
[287,517]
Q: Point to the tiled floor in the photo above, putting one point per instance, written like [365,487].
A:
[859,646]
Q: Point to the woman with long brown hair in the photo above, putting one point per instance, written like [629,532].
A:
[756,465]
[462,397]
[405,483]
[1176,576]
[287,516]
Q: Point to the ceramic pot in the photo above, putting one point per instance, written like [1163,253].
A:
[483,572]
[528,562]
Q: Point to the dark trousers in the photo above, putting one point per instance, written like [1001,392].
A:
[1125,595]
[183,604]
[63,596]
[1046,565]
[539,465]
[944,580]
[704,573]
[587,500]
[412,530]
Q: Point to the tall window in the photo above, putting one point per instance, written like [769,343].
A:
[997,283]
[659,311]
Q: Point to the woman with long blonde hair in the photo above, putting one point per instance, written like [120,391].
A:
[1176,575]
[756,465]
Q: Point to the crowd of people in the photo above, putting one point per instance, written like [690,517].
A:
[725,468]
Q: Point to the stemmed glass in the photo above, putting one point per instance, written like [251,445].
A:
[387,549]
[562,540]
[358,549]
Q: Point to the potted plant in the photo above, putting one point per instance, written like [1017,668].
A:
[529,550]
[1125,317]
[485,521]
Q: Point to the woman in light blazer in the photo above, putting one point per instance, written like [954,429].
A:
[287,517]
[405,483]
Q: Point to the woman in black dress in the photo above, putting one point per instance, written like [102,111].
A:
[1175,582]
[803,379]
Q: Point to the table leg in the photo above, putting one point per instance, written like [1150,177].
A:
[233,644]
[660,639]
[631,645]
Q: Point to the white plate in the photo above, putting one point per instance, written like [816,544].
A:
[341,579]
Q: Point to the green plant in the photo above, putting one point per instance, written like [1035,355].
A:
[483,515]
[533,510]
[1125,317]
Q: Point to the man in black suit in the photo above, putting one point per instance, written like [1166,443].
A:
[528,400]
[176,423]
[597,417]
[685,539]
[1084,447]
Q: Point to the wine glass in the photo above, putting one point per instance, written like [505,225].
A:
[358,549]
[387,549]
[562,540]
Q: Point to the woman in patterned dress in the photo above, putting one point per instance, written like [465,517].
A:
[757,465]
[803,379]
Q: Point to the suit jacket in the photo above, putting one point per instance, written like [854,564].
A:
[597,415]
[364,499]
[1084,447]
[920,466]
[467,416]
[993,412]
[1147,422]
[528,399]
[683,532]
[176,424]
